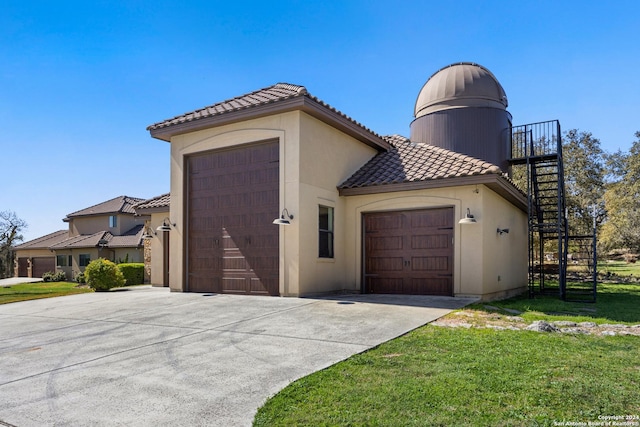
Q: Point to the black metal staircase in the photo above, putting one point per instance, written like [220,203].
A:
[537,166]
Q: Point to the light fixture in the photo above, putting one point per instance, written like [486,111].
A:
[166,225]
[468,219]
[147,233]
[283,220]
[501,231]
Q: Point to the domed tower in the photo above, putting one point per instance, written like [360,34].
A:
[463,108]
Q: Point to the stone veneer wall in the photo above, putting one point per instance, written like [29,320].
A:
[147,255]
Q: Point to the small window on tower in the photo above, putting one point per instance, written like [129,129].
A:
[113,221]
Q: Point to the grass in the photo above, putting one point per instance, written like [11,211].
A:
[437,376]
[30,291]
[615,303]
[620,268]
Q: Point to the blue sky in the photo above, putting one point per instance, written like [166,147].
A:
[81,80]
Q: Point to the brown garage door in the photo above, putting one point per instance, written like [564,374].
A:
[23,267]
[39,266]
[409,252]
[233,199]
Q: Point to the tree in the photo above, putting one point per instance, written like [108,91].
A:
[622,200]
[584,171]
[10,228]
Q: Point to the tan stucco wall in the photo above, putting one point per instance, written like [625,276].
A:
[34,253]
[479,254]
[93,224]
[505,255]
[120,254]
[75,268]
[327,158]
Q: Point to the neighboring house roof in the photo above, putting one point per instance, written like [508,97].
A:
[279,98]
[80,241]
[156,204]
[131,238]
[411,165]
[121,204]
[44,242]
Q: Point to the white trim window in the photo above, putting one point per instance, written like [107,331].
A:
[325,232]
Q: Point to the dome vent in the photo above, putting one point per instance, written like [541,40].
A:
[460,85]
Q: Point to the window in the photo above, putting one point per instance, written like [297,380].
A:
[84,260]
[63,260]
[113,221]
[325,228]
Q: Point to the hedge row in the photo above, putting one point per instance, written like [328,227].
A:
[133,272]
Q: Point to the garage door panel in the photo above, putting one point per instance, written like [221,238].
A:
[435,241]
[385,242]
[437,264]
[435,286]
[386,285]
[429,219]
[409,252]
[233,201]
[382,222]
[386,264]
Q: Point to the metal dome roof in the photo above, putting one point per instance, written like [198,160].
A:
[464,84]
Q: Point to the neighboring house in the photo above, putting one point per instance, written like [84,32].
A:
[108,230]
[358,212]
[156,238]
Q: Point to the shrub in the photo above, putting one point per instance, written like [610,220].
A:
[57,276]
[133,272]
[80,278]
[102,275]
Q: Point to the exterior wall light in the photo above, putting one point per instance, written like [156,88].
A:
[166,225]
[148,233]
[501,231]
[283,220]
[468,219]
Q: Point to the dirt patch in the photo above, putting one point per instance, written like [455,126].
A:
[484,320]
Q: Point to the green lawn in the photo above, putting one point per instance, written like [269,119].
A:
[29,291]
[437,376]
[619,268]
[616,303]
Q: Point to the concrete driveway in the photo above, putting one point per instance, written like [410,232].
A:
[145,356]
[18,280]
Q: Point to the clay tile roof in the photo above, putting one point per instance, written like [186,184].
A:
[162,201]
[269,95]
[81,241]
[411,162]
[44,242]
[131,238]
[121,204]
[277,92]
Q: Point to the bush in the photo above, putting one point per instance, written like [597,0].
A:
[80,278]
[102,275]
[133,272]
[57,276]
